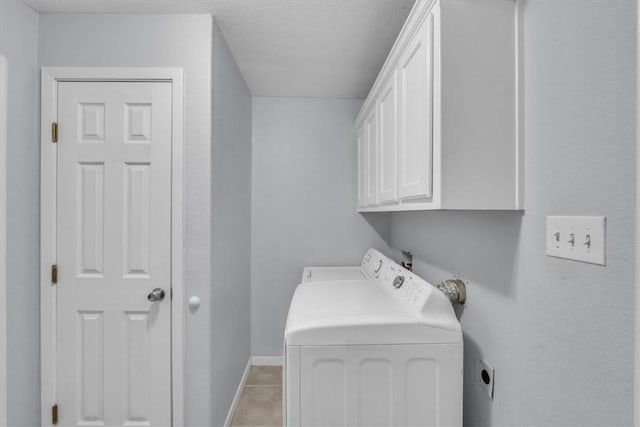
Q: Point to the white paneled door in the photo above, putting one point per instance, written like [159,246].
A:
[113,357]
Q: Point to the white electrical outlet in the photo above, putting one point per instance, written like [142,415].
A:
[580,238]
[484,376]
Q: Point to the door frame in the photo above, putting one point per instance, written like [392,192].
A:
[4,100]
[50,78]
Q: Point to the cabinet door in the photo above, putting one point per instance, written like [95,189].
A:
[415,76]
[371,143]
[388,118]
[362,167]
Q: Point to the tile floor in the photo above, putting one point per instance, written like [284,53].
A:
[261,399]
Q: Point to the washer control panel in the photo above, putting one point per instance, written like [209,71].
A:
[404,285]
[373,263]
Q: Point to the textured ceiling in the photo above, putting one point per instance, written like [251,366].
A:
[307,48]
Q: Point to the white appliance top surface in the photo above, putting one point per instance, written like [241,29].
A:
[371,266]
[331,274]
[362,312]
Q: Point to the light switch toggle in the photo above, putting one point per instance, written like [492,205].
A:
[587,241]
[572,239]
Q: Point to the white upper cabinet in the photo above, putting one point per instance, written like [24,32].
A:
[371,148]
[439,124]
[415,72]
[388,119]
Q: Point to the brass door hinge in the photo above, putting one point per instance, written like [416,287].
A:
[54,415]
[54,273]
[54,132]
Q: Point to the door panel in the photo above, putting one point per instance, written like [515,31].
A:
[416,115]
[91,220]
[137,226]
[114,247]
[362,172]
[91,357]
[371,138]
[388,108]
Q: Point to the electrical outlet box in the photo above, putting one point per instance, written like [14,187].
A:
[484,376]
[580,238]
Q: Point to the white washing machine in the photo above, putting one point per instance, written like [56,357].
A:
[370,267]
[375,352]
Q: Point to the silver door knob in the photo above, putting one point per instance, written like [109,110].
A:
[156,295]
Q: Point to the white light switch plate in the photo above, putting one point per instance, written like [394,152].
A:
[589,241]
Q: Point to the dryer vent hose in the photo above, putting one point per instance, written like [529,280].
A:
[455,290]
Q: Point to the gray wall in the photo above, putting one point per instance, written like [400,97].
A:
[165,41]
[304,204]
[559,333]
[230,228]
[19,44]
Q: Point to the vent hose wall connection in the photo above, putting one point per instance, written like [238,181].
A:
[455,290]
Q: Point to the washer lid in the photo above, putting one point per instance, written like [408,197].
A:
[360,312]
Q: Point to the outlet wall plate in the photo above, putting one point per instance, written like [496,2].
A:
[484,377]
[579,238]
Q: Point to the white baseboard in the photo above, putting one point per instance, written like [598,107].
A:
[236,398]
[267,360]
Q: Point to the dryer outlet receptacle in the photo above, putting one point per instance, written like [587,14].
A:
[484,376]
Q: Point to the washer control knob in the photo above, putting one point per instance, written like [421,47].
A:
[398,281]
